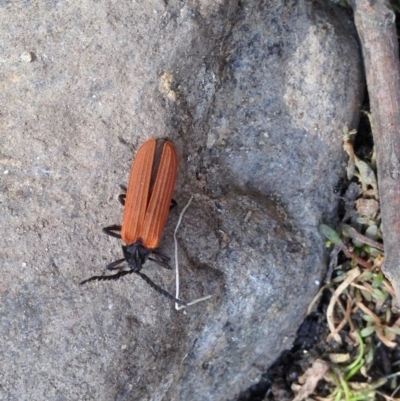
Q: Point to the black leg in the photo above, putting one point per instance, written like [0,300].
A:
[161,259]
[159,289]
[161,263]
[173,204]
[113,265]
[121,199]
[111,231]
[105,278]
[161,256]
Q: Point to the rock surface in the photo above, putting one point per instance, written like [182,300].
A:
[254,95]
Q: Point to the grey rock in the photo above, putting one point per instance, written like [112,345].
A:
[254,95]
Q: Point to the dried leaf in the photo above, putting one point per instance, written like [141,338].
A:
[310,379]
[378,262]
[367,176]
[339,358]
[367,207]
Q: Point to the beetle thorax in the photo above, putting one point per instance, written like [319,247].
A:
[136,255]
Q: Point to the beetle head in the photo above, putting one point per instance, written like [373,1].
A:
[136,255]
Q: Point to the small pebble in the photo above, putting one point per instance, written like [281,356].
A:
[27,57]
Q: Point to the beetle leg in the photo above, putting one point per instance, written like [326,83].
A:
[161,263]
[161,259]
[111,231]
[173,204]
[121,197]
[161,256]
[113,265]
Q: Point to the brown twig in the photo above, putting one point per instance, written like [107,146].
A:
[375,22]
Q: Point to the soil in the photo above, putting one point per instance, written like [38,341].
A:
[310,345]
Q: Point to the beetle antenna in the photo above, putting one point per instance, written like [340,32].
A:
[159,289]
[106,278]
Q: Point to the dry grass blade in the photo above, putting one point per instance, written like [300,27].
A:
[316,298]
[379,327]
[389,288]
[367,207]
[346,319]
[369,312]
[178,307]
[350,277]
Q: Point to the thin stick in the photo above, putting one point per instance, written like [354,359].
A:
[176,250]
[179,307]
